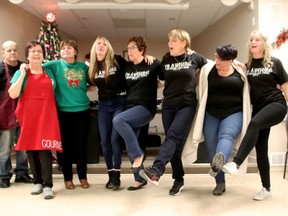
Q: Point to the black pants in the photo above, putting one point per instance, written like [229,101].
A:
[257,135]
[41,167]
[176,122]
[74,129]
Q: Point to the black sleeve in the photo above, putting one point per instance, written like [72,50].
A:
[280,70]
[121,62]
[200,60]
[162,67]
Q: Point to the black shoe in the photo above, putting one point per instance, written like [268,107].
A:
[24,179]
[109,184]
[4,183]
[176,189]
[219,189]
[114,181]
[137,169]
[150,174]
[132,188]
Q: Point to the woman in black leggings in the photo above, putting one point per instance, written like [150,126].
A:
[265,74]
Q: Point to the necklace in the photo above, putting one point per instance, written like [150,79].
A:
[180,57]
[226,72]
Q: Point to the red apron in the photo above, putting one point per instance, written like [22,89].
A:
[37,115]
[7,106]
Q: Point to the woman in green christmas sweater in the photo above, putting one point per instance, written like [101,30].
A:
[73,111]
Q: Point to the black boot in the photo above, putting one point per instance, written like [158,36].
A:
[116,180]
[110,184]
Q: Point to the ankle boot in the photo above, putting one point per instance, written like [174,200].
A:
[109,184]
[116,179]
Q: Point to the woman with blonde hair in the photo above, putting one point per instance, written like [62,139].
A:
[107,73]
[264,73]
[179,68]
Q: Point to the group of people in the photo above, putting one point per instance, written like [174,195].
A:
[127,94]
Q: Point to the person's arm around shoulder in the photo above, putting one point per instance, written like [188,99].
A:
[15,88]
[239,64]
[149,59]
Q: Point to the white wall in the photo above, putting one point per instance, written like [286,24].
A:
[19,25]
[234,28]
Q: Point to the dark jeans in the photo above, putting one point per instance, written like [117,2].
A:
[110,138]
[257,135]
[176,121]
[74,130]
[128,124]
[41,167]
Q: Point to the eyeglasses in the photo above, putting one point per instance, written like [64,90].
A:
[36,51]
[132,47]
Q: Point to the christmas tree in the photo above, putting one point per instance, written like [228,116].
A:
[49,37]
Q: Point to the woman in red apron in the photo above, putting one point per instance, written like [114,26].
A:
[37,116]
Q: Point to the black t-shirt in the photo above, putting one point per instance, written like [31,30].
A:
[116,82]
[179,74]
[225,94]
[11,69]
[263,82]
[142,85]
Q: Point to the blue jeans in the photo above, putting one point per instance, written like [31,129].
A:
[220,135]
[110,138]
[6,141]
[176,122]
[128,124]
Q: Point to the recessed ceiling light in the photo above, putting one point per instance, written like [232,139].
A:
[229,2]
[72,1]
[16,1]
[174,1]
[123,1]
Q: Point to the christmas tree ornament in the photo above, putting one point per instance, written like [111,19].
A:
[50,17]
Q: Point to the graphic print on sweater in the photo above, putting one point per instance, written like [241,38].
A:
[73,76]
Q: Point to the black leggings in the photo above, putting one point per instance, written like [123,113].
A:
[41,166]
[257,135]
[74,129]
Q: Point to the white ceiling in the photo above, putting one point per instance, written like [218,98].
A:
[116,24]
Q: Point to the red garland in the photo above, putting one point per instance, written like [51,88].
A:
[281,38]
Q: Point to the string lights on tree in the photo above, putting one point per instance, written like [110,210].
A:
[50,38]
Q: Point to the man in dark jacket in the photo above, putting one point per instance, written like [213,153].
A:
[8,124]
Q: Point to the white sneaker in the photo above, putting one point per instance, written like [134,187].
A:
[230,168]
[263,194]
[37,189]
[48,193]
